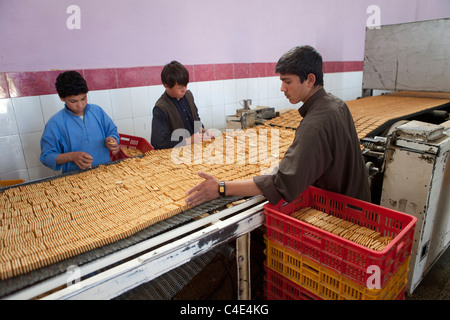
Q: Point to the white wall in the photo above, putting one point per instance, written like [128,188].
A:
[115,33]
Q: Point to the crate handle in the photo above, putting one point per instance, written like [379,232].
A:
[350,206]
[400,247]
[311,269]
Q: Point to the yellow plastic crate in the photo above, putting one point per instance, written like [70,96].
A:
[328,284]
[278,287]
[7,183]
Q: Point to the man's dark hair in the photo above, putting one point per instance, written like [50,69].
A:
[174,73]
[70,83]
[301,61]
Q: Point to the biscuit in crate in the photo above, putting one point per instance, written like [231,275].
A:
[351,231]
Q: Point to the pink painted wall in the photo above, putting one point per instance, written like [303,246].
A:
[132,33]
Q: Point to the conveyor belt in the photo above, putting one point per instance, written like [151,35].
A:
[374,115]
[11,285]
[53,220]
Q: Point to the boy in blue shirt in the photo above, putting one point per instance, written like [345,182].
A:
[80,135]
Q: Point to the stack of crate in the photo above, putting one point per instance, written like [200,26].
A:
[307,262]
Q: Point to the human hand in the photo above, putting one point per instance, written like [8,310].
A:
[194,138]
[208,134]
[82,159]
[112,145]
[205,191]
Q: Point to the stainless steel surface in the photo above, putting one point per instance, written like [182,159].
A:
[408,56]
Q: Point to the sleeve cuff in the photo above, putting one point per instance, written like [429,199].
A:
[266,184]
[50,161]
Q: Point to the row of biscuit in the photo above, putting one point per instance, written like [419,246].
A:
[288,119]
[131,152]
[239,146]
[364,236]
[370,113]
[42,223]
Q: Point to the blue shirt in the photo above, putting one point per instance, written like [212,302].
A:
[66,132]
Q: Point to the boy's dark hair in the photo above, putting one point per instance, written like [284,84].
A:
[70,83]
[174,73]
[301,61]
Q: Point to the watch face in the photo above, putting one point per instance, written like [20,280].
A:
[222,188]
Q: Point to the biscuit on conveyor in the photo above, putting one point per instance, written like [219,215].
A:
[45,222]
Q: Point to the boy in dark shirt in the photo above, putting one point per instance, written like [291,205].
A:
[175,116]
[325,152]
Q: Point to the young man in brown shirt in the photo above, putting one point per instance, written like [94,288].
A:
[325,151]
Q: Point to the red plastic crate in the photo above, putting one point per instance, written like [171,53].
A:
[337,253]
[131,142]
[279,287]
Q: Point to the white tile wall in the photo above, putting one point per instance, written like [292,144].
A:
[31,147]
[217,93]
[121,103]
[8,123]
[155,92]
[140,103]
[142,127]
[29,114]
[103,99]
[230,91]
[13,158]
[202,94]
[50,104]
[22,120]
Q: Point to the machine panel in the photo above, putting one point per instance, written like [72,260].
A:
[408,56]
[416,182]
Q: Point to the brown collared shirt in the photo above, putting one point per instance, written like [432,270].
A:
[170,114]
[325,153]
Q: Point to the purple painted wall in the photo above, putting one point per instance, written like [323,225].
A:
[118,33]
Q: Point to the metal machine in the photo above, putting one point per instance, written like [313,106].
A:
[249,116]
[417,181]
[409,162]
[409,172]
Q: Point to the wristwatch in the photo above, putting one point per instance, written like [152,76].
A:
[222,188]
